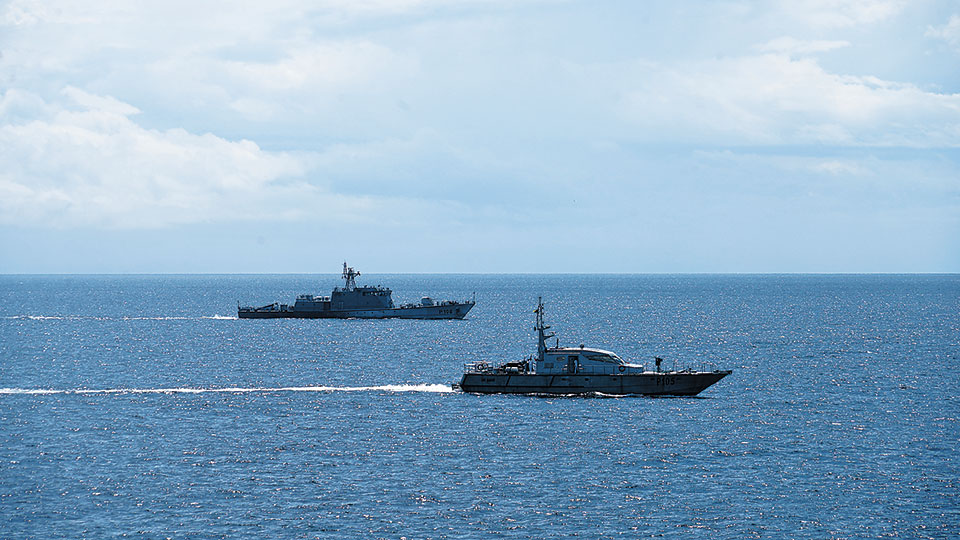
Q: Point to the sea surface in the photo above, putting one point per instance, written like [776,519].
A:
[140,407]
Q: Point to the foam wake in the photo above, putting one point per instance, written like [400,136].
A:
[432,388]
[95,318]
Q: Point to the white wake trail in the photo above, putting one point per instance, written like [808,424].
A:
[96,318]
[430,388]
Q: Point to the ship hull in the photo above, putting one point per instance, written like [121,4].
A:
[454,310]
[648,384]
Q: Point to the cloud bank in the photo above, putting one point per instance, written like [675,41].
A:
[487,117]
[86,162]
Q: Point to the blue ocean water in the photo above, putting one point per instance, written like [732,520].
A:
[138,406]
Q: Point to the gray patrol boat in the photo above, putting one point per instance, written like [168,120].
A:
[353,302]
[581,370]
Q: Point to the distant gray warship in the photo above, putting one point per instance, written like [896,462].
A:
[350,302]
[581,370]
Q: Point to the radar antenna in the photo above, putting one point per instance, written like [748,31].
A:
[541,331]
[349,274]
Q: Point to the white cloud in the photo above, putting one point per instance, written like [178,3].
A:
[32,12]
[307,77]
[833,14]
[105,104]
[86,162]
[274,64]
[795,47]
[299,78]
[840,167]
[949,32]
[22,12]
[773,99]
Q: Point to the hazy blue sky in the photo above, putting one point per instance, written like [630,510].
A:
[480,136]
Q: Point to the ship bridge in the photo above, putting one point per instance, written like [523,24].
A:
[581,360]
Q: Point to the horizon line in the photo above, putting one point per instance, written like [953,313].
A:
[718,273]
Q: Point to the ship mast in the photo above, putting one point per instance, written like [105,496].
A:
[541,331]
[349,274]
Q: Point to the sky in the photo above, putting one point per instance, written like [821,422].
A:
[479,136]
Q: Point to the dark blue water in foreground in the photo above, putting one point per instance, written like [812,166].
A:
[839,421]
